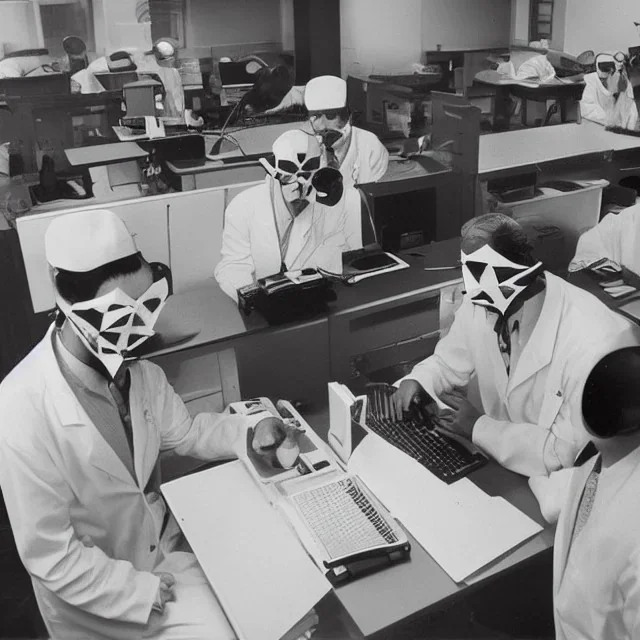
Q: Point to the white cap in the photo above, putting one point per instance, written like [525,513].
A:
[86,240]
[324,93]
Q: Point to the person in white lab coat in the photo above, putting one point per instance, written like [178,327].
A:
[81,431]
[529,338]
[616,237]
[608,95]
[286,223]
[597,549]
[359,155]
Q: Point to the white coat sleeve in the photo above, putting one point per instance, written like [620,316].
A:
[236,268]
[590,107]
[599,242]
[378,160]
[451,365]
[38,501]
[536,450]
[630,587]
[207,436]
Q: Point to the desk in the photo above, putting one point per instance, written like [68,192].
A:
[513,152]
[381,601]
[566,93]
[378,312]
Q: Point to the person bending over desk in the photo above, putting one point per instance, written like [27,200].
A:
[616,236]
[608,95]
[530,338]
[286,223]
[359,155]
[81,431]
[597,550]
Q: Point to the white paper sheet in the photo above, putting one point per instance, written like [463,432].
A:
[459,525]
[256,566]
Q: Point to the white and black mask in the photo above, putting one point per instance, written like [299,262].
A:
[296,167]
[112,325]
[493,281]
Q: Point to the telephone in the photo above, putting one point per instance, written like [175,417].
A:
[287,296]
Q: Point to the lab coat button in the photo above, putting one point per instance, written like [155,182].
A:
[152,548]
[152,497]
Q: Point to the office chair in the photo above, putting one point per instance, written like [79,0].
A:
[161,270]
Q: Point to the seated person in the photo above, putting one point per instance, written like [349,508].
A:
[28,62]
[608,95]
[597,550]
[81,432]
[616,237]
[358,154]
[284,223]
[528,338]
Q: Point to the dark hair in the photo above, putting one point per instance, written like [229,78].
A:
[79,287]
[505,236]
[610,400]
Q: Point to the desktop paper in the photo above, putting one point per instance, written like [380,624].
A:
[459,525]
[256,566]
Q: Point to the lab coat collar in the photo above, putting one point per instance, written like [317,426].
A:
[538,351]
[60,398]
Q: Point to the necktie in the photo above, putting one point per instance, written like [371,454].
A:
[119,389]
[504,338]
[332,159]
[587,499]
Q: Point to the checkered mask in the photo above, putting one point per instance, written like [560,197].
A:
[113,325]
[493,281]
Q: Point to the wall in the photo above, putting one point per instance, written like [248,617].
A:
[598,25]
[17,26]
[287,25]
[117,26]
[221,22]
[378,36]
[520,22]
[466,23]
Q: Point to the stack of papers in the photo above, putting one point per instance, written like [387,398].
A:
[460,526]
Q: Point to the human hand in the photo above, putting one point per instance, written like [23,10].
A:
[461,417]
[275,442]
[165,590]
[408,393]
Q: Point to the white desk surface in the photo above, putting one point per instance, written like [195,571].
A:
[524,147]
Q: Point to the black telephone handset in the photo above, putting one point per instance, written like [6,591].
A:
[287,296]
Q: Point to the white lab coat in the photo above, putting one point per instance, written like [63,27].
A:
[597,584]
[536,68]
[616,236]
[250,243]
[533,419]
[599,105]
[366,161]
[84,528]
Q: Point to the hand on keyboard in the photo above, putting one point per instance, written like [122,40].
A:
[462,416]
[407,396]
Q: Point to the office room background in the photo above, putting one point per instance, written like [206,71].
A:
[427,124]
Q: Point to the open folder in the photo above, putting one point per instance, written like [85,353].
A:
[459,525]
[261,575]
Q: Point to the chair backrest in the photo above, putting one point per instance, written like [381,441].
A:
[161,270]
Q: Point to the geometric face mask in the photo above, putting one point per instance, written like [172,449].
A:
[296,168]
[493,281]
[296,159]
[114,324]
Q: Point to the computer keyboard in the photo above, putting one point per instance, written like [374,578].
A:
[344,520]
[414,435]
